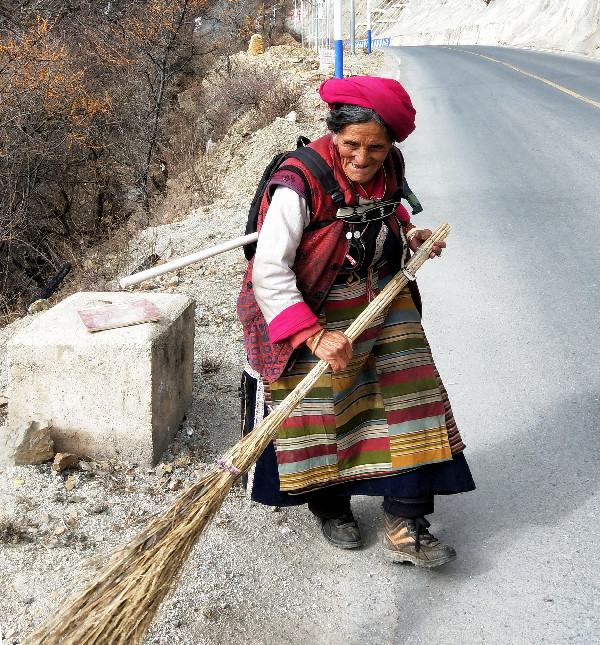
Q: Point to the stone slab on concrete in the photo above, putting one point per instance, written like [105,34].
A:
[120,393]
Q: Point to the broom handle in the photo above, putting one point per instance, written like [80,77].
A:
[262,434]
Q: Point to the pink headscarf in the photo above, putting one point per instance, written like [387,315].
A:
[387,97]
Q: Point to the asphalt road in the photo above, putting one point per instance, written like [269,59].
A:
[511,311]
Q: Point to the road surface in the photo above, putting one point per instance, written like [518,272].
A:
[507,150]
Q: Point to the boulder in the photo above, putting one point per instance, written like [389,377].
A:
[26,443]
[256,45]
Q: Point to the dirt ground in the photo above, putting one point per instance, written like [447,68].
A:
[258,575]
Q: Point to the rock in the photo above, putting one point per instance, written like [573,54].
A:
[256,45]
[175,484]
[37,306]
[26,443]
[64,460]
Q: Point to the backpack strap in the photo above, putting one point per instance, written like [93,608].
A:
[405,190]
[411,198]
[321,172]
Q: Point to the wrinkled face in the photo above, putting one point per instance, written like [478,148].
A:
[363,148]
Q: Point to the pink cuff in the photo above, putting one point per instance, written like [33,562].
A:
[290,321]
[297,339]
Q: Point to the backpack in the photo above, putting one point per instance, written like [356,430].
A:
[323,174]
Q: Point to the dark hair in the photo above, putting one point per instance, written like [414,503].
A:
[345,114]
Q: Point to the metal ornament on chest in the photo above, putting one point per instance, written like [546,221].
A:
[364,213]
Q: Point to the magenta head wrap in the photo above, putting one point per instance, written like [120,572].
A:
[387,97]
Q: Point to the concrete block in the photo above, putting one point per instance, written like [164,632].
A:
[119,393]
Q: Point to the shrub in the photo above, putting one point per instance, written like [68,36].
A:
[266,92]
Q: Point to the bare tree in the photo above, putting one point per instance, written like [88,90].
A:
[88,108]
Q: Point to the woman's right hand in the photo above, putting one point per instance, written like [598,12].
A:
[334,347]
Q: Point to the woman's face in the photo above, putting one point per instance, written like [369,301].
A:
[363,148]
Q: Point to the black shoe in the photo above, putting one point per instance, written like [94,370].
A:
[342,532]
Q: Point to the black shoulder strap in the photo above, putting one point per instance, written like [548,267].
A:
[399,165]
[321,172]
[405,190]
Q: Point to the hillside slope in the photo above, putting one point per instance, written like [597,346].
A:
[568,25]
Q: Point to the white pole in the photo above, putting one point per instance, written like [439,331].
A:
[302,20]
[337,39]
[352,28]
[317,26]
[369,26]
[136,278]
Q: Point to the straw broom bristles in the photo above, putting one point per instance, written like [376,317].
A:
[117,608]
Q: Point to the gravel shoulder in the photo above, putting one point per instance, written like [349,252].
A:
[258,575]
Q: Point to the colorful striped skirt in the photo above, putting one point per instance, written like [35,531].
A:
[386,414]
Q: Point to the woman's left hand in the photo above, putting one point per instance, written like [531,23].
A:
[419,236]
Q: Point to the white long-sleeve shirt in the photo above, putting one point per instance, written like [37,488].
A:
[273,280]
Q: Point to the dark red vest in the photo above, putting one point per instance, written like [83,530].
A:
[319,256]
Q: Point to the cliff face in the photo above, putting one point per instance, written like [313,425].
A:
[568,25]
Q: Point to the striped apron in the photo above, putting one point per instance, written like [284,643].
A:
[388,412]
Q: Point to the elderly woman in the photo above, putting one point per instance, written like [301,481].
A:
[379,422]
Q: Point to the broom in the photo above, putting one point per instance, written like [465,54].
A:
[117,608]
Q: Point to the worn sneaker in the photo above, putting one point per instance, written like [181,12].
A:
[408,540]
[342,532]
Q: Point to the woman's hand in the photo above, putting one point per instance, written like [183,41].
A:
[417,236]
[332,346]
